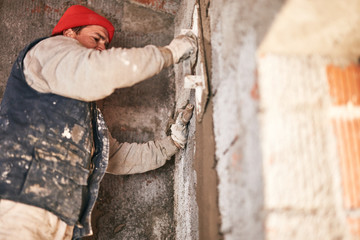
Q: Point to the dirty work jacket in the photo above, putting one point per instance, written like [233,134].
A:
[45,150]
[61,65]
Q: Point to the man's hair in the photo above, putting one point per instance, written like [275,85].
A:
[77,29]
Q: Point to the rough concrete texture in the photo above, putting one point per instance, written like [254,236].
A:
[185,208]
[129,207]
[237,28]
[20,23]
[301,169]
[160,5]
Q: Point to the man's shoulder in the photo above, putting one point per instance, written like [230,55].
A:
[58,40]
[55,44]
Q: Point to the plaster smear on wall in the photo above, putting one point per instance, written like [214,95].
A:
[235,126]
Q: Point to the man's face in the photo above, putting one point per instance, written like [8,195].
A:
[92,36]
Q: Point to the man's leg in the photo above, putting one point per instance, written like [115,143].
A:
[22,221]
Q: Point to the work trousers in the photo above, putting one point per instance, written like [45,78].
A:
[22,221]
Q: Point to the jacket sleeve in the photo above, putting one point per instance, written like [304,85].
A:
[130,158]
[61,65]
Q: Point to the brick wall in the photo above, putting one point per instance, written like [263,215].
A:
[344,89]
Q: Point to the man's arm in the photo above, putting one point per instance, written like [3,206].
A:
[61,65]
[130,158]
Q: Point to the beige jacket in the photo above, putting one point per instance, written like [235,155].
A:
[61,65]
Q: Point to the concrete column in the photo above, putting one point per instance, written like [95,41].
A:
[185,207]
[237,28]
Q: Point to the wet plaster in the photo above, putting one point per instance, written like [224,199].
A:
[205,161]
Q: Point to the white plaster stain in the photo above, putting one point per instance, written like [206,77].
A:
[126,62]
[66,133]
[123,58]
[63,180]
[5,122]
[5,172]
[36,189]
[26,157]
[134,68]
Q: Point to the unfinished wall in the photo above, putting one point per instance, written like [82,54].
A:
[185,207]
[237,29]
[309,85]
[290,175]
[20,23]
[300,157]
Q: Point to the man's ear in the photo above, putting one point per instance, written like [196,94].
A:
[69,33]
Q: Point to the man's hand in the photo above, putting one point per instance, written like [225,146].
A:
[183,47]
[179,130]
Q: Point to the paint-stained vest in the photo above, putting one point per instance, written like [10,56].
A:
[46,142]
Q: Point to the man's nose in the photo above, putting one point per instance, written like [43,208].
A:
[101,46]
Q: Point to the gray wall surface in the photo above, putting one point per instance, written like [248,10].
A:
[237,29]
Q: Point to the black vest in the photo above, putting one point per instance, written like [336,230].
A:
[45,149]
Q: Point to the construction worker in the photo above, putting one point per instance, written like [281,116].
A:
[54,144]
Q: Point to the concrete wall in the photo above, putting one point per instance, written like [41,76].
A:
[285,93]
[237,29]
[185,208]
[139,206]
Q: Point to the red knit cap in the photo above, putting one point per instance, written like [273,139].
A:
[76,16]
